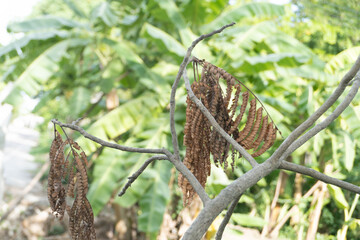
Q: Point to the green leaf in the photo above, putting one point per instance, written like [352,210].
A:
[309,72]
[45,98]
[129,19]
[187,36]
[10,69]
[170,43]
[137,189]
[75,8]
[318,143]
[278,103]
[305,100]
[109,167]
[155,138]
[43,67]
[79,101]
[113,166]
[104,12]
[343,61]
[113,69]
[236,14]
[153,203]
[252,65]
[218,176]
[310,102]
[248,221]
[120,120]
[173,13]
[247,38]
[351,115]
[349,151]
[337,194]
[127,52]
[280,42]
[164,69]
[334,148]
[18,44]
[43,23]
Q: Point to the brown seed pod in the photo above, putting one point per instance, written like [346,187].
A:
[81,218]
[201,140]
[56,191]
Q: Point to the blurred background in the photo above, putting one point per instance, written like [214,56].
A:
[113,63]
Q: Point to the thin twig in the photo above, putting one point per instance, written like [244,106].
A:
[320,176]
[176,162]
[227,217]
[183,65]
[213,123]
[136,174]
[15,202]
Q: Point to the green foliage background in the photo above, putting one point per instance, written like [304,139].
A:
[74,53]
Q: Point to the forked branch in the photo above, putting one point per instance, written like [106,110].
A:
[136,174]
[317,114]
[325,123]
[183,65]
[214,124]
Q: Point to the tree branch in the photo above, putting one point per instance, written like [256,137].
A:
[319,127]
[176,83]
[316,115]
[213,123]
[227,217]
[136,174]
[177,163]
[226,196]
[105,143]
[320,176]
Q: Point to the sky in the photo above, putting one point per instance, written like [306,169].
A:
[13,10]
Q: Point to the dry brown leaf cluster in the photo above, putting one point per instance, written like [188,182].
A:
[229,109]
[70,170]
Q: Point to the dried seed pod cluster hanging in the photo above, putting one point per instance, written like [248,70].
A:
[201,140]
[73,171]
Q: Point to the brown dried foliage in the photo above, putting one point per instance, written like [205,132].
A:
[201,140]
[73,171]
